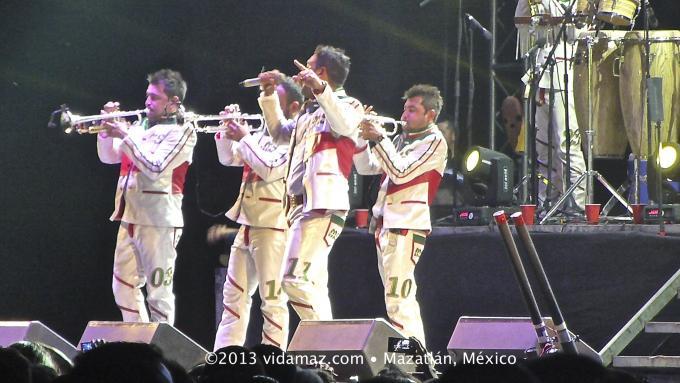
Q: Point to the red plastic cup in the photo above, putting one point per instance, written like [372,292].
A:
[361,218]
[528,213]
[638,212]
[593,213]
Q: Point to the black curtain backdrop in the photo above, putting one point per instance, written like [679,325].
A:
[56,241]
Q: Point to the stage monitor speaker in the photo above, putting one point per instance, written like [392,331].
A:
[498,336]
[350,346]
[34,331]
[174,344]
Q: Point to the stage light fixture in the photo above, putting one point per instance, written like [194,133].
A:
[669,159]
[489,174]
[669,164]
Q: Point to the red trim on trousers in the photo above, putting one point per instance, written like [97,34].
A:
[157,311]
[128,310]
[397,324]
[264,335]
[130,285]
[301,305]
[272,322]
[232,312]
[233,283]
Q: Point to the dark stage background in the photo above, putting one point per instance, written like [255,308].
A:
[56,240]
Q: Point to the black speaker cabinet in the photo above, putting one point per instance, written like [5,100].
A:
[174,344]
[498,336]
[351,347]
[34,331]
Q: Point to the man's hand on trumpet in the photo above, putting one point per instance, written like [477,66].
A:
[114,127]
[235,129]
[370,130]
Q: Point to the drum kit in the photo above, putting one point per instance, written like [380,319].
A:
[609,70]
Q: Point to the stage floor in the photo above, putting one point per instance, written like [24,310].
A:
[600,274]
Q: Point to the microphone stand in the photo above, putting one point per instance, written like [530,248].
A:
[456,102]
[456,91]
[648,82]
[530,158]
[471,83]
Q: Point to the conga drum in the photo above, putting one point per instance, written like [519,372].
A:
[618,12]
[664,63]
[586,7]
[609,135]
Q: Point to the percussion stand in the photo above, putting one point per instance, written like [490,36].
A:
[530,111]
[561,36]
[657,116]
[590,173]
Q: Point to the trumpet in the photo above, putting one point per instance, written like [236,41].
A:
[195,119]
[390,124]
[69,122]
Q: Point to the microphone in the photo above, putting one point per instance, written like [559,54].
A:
[250,82]
[485,32]
[532,50]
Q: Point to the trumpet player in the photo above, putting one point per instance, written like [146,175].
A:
[322,141]
[154,156]
[256,257]
[412,167]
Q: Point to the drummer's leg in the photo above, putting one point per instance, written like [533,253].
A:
[543,132]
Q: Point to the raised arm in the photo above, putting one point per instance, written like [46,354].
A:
[343,115]
[279,128]
[108,149]
[364,161]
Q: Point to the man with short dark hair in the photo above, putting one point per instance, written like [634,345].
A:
[322,142]
[256,257]
[154,155]
[412,166]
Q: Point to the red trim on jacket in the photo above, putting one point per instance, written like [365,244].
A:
[179,174]
[126,165]
[344,149]
[381,152]
[432,177]
[249,175]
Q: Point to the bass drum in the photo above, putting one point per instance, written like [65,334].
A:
[609,135]
[664,63]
